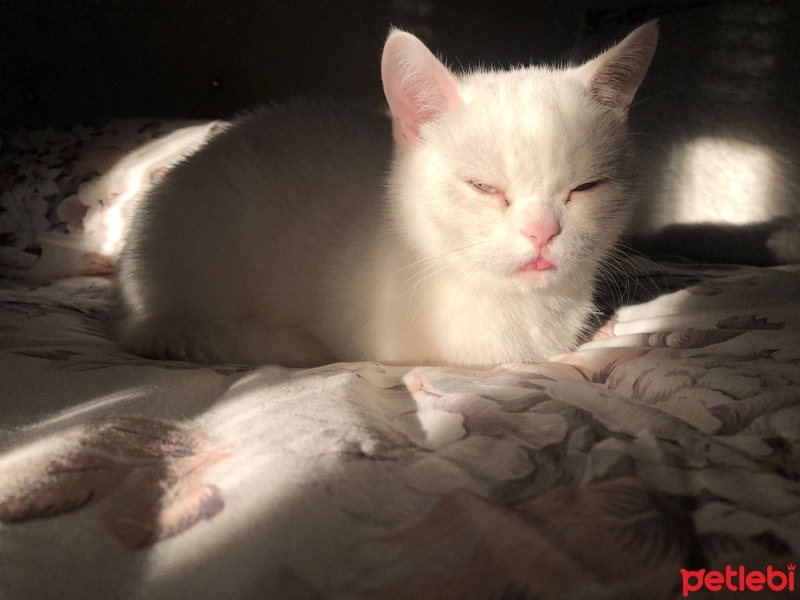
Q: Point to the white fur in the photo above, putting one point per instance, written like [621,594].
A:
[283,240]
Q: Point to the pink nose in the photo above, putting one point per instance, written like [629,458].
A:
[541,232]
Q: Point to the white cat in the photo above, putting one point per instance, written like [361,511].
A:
[298,237]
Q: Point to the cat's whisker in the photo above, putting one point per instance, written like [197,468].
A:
[442,258]
[415,279]
[607,275]
[598,316]
[436,262]
[640,268]
[620,253]
[424,266]
[620,276]
[421,304]
[625,275]
[413,289]
[416,276]
[593,310]
[432,259]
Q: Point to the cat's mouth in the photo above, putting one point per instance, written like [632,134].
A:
[537,264]
[539,270]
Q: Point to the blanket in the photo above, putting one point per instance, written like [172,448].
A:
[664,449]
[660,459]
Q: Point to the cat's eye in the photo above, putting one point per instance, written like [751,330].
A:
[484,187]
[585,187]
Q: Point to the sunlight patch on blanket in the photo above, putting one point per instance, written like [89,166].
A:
[89,408]
[112,198]
[724,181]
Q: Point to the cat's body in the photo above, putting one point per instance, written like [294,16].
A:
[298,237]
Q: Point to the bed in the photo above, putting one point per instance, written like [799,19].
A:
[662,450]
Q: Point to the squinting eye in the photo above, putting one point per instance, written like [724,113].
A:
[585,187]
[484,187]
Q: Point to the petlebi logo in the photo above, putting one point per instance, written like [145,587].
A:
[738,580]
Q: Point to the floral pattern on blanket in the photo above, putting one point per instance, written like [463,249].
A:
[497,551]
[149,473]
[65,195]
[668,441]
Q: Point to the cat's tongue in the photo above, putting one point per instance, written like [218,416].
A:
[539,264]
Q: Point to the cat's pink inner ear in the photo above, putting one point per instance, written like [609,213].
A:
[417,85]
[614,76]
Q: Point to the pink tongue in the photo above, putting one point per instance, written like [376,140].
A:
[538,264]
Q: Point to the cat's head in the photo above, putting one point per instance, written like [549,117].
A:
[519,175]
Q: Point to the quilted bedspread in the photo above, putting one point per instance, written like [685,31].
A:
[668,442]
[659,456]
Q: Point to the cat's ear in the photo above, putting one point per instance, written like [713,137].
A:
[614,76]
[417,85]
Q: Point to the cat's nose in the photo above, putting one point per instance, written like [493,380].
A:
[541,231]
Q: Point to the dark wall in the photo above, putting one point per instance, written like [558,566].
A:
[63,62]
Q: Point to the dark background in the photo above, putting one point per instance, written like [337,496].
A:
[63,62]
